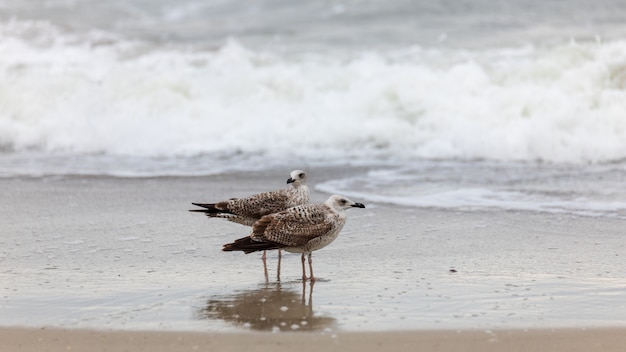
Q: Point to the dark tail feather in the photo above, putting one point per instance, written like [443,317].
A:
[248,245]
[210,208]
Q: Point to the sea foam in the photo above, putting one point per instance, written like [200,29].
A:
[95,93]
[580,190]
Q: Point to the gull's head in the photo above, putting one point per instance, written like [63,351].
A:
[342,203]
[297,178]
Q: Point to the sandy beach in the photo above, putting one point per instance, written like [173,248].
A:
[103,263]
[570,340]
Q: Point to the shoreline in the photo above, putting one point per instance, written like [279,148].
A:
[100,253]
[566,339]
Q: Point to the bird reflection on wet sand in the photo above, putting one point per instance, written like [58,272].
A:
[273,307]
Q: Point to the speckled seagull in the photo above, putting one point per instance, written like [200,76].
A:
[247,211]
[301,229]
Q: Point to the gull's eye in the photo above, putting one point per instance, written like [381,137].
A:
[301,175]
[343,202]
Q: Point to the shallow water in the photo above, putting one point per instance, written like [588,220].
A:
[581,189]
[125,254]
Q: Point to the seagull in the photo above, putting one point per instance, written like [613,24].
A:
[301,229]
[247,211]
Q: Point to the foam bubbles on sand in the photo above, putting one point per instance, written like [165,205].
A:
[590,190]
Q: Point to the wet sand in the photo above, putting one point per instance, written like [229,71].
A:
[100,253]
[566,340]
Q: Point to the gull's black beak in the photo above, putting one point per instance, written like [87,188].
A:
[290,180]
[358,205]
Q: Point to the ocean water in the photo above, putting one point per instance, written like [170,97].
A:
[464,104]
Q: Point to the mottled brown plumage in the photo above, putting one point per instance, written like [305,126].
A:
[247,210]
[302,229]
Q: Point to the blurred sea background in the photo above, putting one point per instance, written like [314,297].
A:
[514,104]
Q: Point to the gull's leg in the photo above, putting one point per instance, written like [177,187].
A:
[264,267]
[278,268]
[264,255]
[311,267]
[303,270]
